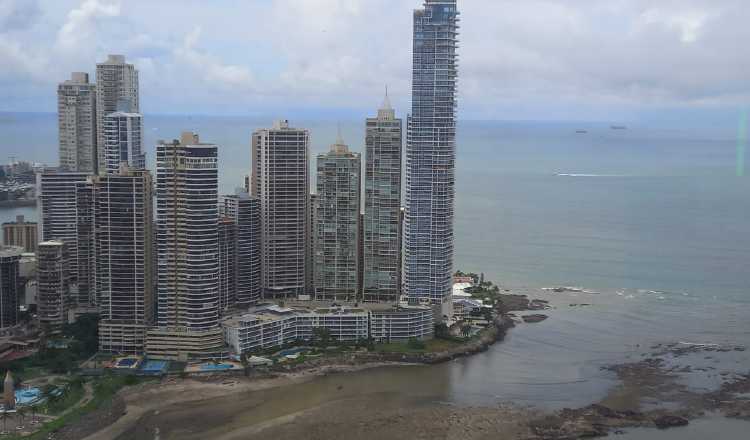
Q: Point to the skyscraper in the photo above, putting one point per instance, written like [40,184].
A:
[76,120]
[123,140]
[227,263]
[336,256]
[116,82]
[431,154]
[381,228]
[10,282]
[52,284]
[244,211]
[63,200]
[188,251]
[21,233]
[280,179]
[123,234]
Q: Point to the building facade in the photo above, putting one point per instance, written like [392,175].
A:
[228,269]
[187,248]
[116,82]
[271,326]
[53,290]
[64,203]
[280,180]
[123,141]
[381,227]
[76,122]
[123,207]
[336,257]
[10,283]
[244,210]
[21,234]
[402,323]
[431,155]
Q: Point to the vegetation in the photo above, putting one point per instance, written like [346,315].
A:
[104,389]
[321,336]
[416,344]
[486,291]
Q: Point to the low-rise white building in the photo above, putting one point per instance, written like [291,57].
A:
[268,326]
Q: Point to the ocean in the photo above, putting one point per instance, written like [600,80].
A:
[654,219]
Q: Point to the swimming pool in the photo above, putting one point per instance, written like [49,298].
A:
[28,396]
[216,367]
[127,362]
[291,351]
[154,366]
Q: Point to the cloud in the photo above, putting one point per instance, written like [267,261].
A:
[582,58]
[81,22]
[18,14]
[211,69]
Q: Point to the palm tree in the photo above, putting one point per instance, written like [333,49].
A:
[466,330]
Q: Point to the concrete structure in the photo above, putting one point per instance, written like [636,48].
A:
[228,268]
[431,155]
[21,233]
[402,323]
[116,82]
[381,228]
[270,326]
[310,260]
[181,344]
[9,392]
[281,180]
[187,244]
[76,122]
[244,210]
[63,203]
[10,283]
[123,141]
[123,207]
[336,257]
[53,290]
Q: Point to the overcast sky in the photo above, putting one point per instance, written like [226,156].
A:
[519,59]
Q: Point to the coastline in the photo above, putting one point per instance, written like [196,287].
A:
[649,394]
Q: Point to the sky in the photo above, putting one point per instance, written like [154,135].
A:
[519,59]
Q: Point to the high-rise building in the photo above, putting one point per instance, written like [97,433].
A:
[336,256]
[116,82]
[76,120]
[431,154]
[280,179]
[21,233]
[188,247]
[52,284]
[244,210]
[228,269]
[123,212]
[123,140]
[10,282]
[381,229]
[64,203]
[310,264]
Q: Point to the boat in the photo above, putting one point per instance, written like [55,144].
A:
[618,127]
[581,131]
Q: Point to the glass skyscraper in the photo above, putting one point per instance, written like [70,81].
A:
[431,154]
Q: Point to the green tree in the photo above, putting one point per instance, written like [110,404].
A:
[466,330]
[441,330]
[415,344]
[321,336]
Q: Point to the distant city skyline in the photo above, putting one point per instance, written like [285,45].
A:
[551,60]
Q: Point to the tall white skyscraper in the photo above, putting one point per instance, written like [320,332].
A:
[123,139]
[281,180]
[431,154]
[116,82]
[76,120]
